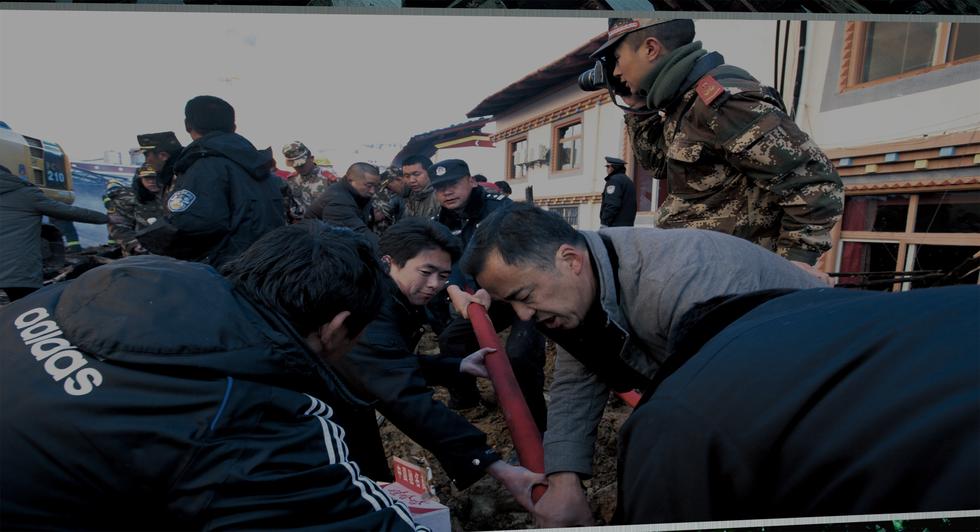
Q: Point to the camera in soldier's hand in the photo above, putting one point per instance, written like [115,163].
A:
[600,77]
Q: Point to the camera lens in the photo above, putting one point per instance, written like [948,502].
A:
[593,79]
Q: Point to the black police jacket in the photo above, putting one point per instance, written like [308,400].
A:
[618,202]
[383,368]
[463,222]
[224,199]
[342,206]
[149,393]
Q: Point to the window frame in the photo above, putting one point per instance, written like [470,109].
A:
[556,142]
[510,158]
[908,241]
[854,56]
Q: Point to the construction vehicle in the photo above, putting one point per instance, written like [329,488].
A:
[45,164]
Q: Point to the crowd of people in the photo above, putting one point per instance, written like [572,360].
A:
[226,373]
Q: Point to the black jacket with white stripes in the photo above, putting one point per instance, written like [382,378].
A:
[148,393]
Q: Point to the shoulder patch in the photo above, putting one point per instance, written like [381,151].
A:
[709,89]
[610,189]
[181,200]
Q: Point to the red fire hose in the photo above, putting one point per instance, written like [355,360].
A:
[523,430]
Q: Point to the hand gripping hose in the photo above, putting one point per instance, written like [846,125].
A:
[523,430]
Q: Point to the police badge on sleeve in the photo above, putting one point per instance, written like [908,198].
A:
[610,189]
[181,200]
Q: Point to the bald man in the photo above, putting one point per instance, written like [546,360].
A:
[347,203]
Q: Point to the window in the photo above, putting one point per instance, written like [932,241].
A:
[569,214]
[517,157]
[932,234]
[567,146]
[884,51]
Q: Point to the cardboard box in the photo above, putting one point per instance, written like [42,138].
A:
[426,510]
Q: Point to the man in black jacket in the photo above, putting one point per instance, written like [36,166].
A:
[618,197]
[225,196]
[156,392]
[811,403]
[347,202]
[463,205]
[382,366]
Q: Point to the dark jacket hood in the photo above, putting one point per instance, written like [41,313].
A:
[232,146]
[10,182]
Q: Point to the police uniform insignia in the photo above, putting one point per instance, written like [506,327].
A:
[709,89]
[440,170]
[610,189]
[181,200]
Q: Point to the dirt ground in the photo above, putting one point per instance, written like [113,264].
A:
[487,506]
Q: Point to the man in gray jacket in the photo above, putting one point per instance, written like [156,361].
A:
[22,204]
[610,299]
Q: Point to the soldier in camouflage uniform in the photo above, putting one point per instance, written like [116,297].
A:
[422,198]
[732,159]
[132,208]
[388,203]
[307,181]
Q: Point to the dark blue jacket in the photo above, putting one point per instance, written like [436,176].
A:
[224,199]
[383,368]
[820,402]
[148,393]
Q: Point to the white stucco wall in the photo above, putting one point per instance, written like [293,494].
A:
[481,160]
[889,114]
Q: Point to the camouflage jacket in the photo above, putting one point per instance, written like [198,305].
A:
[127,215]
[734,162]
[304,189]
[423,203]
[388,207]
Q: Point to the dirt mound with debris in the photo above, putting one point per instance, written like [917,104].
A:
[486,505]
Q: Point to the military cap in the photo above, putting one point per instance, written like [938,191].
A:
[146,171]
[447,172]
[615,161]
[619,27]
[165,141]
[296,153]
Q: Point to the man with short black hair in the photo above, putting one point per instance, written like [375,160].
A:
[618,197]
[347,203]
[382,367]
[421,201]
[225,196]
[766,395]
[206,403]
[464,205]
[610,299]
[731,158]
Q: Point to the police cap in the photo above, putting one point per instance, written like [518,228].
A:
[164,141]
[447,172]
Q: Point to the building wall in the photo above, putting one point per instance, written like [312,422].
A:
[481,160]
[935,102]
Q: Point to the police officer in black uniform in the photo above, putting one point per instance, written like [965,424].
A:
[618,196]
[463,205]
